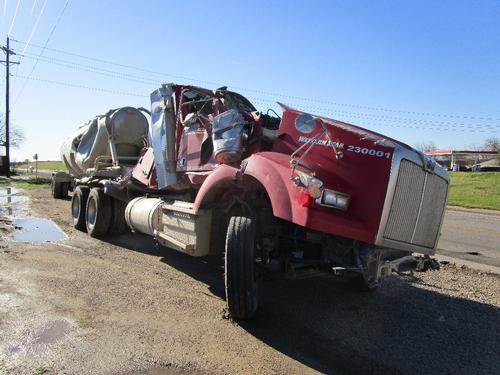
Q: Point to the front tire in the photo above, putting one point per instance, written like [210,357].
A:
[241,286]
[79,207]
[98,213]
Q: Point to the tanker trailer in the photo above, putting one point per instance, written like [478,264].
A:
[101,153]
[298,194]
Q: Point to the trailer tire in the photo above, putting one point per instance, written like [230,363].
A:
[64,190]
[56,188]
[241,286]
[98,213]
[118,223]
[79,207]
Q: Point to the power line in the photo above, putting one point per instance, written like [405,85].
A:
[32,33]
[35,26]
[14,18]
[67,84]
[374,124]
[92,69]
[267,93]
[163,74]
[432,123]
[146,80]
[33,7]
[43,48]
[418,123]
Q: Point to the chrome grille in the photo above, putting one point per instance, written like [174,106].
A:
[417,207]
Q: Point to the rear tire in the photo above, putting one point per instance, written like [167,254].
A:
[98,213]
[64,190]
[241,286]
[56,188]
[79,207]
[118,223]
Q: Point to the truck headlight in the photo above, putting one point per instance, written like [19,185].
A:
[313,185]
[334,199]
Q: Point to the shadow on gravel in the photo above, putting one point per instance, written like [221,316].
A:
[322,323]
[398,329]
[209,270]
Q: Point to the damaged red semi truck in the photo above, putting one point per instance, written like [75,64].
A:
[298,194]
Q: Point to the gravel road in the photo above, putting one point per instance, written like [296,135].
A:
[126,306]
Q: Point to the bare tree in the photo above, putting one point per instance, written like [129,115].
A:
[492,144]
[16,135]
[426,146]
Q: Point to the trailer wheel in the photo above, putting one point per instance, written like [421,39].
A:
[57,189]
[78,207]
[98,212]
[241,286]
[118,223]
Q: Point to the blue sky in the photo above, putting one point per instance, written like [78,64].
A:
[417,71]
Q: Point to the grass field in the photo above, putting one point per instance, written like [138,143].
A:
[48,165]
[31,183]
[475,190]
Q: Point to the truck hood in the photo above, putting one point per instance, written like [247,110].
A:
[362,133]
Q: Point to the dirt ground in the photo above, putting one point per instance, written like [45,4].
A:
[126,306]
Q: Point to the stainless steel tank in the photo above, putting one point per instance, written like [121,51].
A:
[143,215]
[123,131]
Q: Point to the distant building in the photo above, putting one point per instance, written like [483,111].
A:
[462,160]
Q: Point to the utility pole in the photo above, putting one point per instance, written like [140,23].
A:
[7,62]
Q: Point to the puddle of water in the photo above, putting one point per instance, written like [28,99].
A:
[12,205]
[13,210]
[8,191]
[36,230]
[52,332]
[13,199]
[48,334]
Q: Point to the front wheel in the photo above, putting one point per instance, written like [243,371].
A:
[241,286]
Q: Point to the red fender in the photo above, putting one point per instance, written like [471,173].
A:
[221,174]
[273,170]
